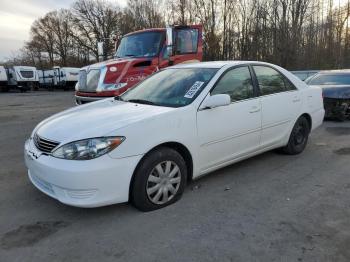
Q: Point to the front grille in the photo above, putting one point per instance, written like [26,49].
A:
[44,145]
[27,74]
[88,81]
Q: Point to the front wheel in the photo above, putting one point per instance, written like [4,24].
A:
[159,180]
[298,138]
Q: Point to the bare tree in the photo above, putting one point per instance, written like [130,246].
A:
[296,34]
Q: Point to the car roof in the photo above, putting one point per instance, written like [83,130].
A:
[338,71]
[146,31]
[304,71]
[217,64]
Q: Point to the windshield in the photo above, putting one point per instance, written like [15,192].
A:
[326,79]
[145,44]
[173,87]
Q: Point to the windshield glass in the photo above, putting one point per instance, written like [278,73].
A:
[145,44]
[325,79]
[173,87]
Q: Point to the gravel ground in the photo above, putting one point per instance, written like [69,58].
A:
[271,207]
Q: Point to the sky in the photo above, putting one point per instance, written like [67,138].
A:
[16,17]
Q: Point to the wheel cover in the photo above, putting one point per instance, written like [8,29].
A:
[163,182]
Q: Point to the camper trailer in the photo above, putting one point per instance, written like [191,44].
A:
[3,79]
[65,77]
[46,78]
[59,77]
[23,77]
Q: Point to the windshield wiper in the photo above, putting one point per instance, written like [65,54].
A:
[130,55]
[141,101]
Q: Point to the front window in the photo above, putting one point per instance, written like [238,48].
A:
[328,79]
[173,87]
[146,44]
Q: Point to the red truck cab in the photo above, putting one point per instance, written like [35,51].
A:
[139,54]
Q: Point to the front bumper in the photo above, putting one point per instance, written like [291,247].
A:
[91,183]
[337,108]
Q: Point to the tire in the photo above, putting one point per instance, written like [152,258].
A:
[155,174]
[298,137]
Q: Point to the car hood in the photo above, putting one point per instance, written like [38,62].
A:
[336,91]
[95,120]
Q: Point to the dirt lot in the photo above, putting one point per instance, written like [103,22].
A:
[269,208]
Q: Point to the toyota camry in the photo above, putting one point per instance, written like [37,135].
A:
[177,125]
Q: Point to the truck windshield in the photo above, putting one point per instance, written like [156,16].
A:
[146,44]
[329,79]
[172,87]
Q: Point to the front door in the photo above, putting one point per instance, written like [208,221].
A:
[187,46]
[232,131]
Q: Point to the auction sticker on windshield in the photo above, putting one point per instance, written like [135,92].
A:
[194,88]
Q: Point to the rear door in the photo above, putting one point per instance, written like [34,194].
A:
[280,103]
[228,132]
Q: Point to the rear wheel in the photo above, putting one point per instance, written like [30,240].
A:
[159,180]
[298,138]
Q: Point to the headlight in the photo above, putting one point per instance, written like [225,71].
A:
[88,148]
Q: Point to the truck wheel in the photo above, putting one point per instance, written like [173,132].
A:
[159,180]
[298,137]
[5,89]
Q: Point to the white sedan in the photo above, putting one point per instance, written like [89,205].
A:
[179,124]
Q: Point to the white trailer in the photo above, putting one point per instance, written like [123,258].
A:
[65,77]
[23,77]
[3,79]
[46,78]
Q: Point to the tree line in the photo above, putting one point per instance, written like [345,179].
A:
[296,34]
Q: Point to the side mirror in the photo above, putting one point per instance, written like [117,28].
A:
[170,41]
[216,101]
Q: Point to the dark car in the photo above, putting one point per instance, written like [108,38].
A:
[336,92]
[304,74]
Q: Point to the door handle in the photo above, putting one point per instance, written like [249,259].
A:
[254,109]
[296,99]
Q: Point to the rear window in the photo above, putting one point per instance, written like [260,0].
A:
[329,79]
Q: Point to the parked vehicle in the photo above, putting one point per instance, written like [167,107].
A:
[23,77]
[59,77]
[3,79]
[304,74]
[65,77]
[180,123]
[139,54]
[46,78]
[336,92]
